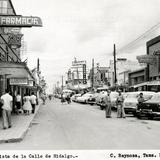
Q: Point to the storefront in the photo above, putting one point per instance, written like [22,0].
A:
[152,60]
[14,74]
[17,78]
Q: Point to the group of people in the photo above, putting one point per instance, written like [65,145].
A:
[7,103]
[65,98]
[119,104]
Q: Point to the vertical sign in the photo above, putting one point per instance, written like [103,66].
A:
[84,74]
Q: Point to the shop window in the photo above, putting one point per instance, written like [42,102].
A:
[154,78]
[3,7]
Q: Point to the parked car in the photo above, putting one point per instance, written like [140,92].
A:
[92,99]
[113,96]
[75,96]
[150,108]
[131,101]
[84,98]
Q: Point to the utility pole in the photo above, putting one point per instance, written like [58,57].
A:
[78,78]
[62,83]
[115,73]
[92,73]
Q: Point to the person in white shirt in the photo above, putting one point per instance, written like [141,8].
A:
[33,101]
[18,102]
[6,109]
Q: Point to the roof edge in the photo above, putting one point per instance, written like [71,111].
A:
[12,7]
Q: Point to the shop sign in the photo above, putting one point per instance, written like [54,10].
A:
[84,74]
[149,59]
[78,63]
[18,81]
[15,40]
[20,21]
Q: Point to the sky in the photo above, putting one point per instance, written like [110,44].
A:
[85,29]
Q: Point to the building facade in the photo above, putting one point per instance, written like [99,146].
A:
[123,67]
[14,74]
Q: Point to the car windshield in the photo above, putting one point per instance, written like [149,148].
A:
[114,95]
[87,95]
[132,95]
[156,97]
[148,96]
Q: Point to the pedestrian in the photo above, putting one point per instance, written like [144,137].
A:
[7,101]
[18,103]
[107,103]
[68,99]
[120,107]
[27,105]
[33,99]
[63,98]
[140,99]
[43,97]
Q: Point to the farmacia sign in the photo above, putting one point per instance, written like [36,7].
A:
[20,21]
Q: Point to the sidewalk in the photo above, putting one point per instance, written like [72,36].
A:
[20,126]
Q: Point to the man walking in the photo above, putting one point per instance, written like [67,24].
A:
[6,109]
[107,102]
[120,107]
[33,101]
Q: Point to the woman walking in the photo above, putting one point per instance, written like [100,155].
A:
[120,108]
[27,107]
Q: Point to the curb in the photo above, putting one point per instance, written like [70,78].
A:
[21,137]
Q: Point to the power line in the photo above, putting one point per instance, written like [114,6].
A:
[134,42]
[144,35]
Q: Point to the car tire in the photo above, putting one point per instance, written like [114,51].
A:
[101,107]
[150,117]
[139,117]
[134,114]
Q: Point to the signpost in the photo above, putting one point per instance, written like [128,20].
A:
[149,59]
[18,81]
[20,21]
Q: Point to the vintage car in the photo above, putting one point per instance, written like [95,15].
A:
[150,108]
[113,96]
[75,96]
[131,101]
[92,100]
[84,98]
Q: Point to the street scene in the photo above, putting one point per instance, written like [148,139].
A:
[79,75]
[79,126]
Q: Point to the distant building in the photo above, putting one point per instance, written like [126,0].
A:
[123,67]
[99,77]
[77,74]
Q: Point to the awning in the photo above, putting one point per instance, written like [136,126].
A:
[149,83]
[139,85]
[153,83]
[15,70]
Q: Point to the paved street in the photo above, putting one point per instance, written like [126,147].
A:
[78,126]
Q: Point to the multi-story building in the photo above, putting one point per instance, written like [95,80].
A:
[152,71]
[77,74]
[99,76]
[14,74]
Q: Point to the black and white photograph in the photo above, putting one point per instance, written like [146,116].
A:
[80,75]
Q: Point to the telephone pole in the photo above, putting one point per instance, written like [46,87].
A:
[62,83]
[115,73]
